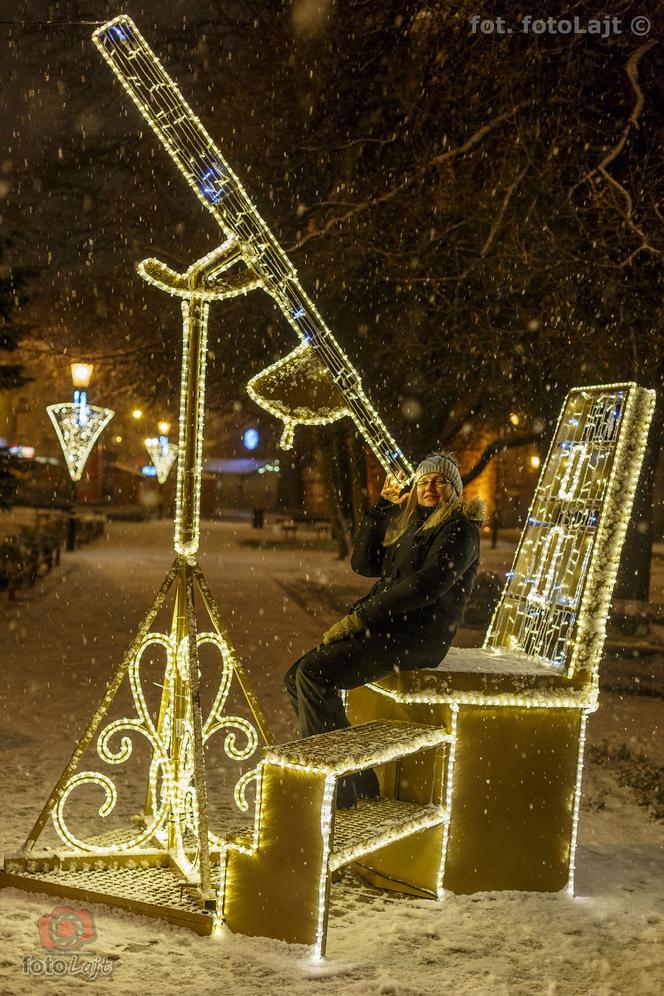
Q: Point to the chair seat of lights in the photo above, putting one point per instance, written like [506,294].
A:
[342,752]
[492,672]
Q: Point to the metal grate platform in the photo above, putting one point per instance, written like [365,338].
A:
[342,751]
[150,891]
[375,823]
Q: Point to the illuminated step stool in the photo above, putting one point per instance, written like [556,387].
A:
[280,887]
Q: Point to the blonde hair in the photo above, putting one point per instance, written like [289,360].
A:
[404,519]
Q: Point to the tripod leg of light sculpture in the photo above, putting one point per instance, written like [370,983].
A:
[102,708]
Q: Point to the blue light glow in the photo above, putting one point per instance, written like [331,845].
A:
[211,184]
[250,439]
[119,32]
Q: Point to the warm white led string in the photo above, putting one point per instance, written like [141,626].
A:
[449,789]
[576,805]
[326,812]
[172,797]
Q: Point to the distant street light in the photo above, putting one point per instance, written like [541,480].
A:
[250,438]
[137,413]
[162,453]
[81,373]
[78,426]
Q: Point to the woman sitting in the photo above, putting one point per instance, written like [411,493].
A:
[424,546]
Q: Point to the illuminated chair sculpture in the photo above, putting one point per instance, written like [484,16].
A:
[480,761]
[519,705]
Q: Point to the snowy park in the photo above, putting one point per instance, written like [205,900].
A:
[63,641]
[331,499]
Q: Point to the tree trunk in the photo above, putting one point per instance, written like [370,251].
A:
[633,582]
[290,496]
[337,522]
[358,476]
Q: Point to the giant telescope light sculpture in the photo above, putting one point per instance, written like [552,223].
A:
[247,240]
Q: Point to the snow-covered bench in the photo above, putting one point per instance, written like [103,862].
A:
[519,704]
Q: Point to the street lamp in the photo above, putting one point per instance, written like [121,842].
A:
[81,374]
[78,426]
[162,453]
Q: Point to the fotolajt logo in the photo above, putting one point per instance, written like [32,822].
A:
[66,929]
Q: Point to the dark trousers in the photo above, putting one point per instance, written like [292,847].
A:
[315,680]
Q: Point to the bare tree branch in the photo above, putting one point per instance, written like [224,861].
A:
[496,447]
[443,157]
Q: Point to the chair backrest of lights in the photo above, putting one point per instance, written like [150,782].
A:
[556,600]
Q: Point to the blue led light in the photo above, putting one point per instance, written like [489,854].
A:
[250,439]
[83,413]
[148,470]
[119,32]
[299,313]
[211,184]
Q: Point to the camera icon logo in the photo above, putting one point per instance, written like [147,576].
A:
[66,929]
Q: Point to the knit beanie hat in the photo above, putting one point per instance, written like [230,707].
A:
[444,464]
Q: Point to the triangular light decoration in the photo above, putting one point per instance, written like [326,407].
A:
[163,455]
[78,428]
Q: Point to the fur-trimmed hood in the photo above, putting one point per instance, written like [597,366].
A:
[471,508]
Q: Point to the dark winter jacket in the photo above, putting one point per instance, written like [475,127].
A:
[425,577]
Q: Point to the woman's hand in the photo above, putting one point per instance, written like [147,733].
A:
[392,491]
[344,628]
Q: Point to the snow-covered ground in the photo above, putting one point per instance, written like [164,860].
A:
[60,643]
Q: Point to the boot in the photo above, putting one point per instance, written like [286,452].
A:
[347,792]
[367,785]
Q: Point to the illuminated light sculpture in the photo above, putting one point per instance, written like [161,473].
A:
[522,700]
[143,865]
[78,424]
[163,455]
[298,390]
[480,761]
[249,241]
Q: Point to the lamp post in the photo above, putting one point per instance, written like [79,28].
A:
[78,426]
[163,455]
